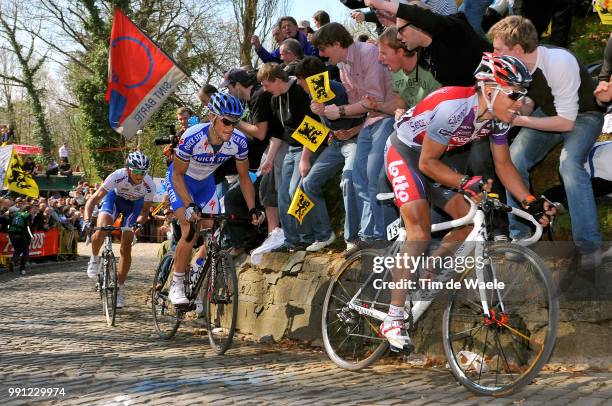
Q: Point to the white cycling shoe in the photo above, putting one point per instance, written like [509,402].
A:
[395,332]
[92,269]
[177,294]
[120,299]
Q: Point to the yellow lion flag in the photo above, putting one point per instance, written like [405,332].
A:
[320,91]
[310,133]
[18,180]
[300,205]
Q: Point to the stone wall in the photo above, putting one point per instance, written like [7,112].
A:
[282,298]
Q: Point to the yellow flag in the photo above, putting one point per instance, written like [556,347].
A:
[157,209]
[18,180]
[320,91]
[310,133]
[300,205]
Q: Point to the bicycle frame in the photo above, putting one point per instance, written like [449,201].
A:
[210,258]
[473,242]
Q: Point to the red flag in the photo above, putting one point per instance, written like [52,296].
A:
[140,76]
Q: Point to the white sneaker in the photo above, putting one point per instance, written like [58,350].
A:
[92,269]
[319,245]
[120,298]
[177,294]
[395,332]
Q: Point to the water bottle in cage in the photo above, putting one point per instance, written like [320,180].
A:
[195,273]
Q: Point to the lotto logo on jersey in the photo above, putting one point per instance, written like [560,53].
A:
[398,181]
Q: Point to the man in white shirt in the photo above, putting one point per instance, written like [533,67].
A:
[63,152]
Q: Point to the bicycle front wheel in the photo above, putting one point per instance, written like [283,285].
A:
[221,303]
[351,339]
[166,316]
[499,352]
[109,288]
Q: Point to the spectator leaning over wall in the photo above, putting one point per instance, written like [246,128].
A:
[566,112]
[362,76]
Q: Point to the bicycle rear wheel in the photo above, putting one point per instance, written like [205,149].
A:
[166,317]
[221,303]
[108,289]
[498,353]
[350,339]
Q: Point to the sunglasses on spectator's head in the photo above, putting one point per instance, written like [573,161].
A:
[227,122]
[139,171]
[513,94]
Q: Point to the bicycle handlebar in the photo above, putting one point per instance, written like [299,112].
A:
[469,217]
[108,229]
[216,219]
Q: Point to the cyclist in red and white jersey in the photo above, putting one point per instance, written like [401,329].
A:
[415,161]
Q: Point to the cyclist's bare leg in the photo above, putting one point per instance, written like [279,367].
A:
[202,251]
[417,221]
[97,239]
[456,207]
[125,257]
[182,252]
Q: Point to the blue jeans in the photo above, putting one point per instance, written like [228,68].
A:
[339,154]
[370,158]
[295,233]
[531,146]
[474,11]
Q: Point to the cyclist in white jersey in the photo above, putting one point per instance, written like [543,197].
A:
[190,181]
[128,191]
[416,166]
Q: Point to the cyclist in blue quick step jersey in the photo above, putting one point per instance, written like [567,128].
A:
[191,185]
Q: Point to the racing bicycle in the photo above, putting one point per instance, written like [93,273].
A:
[217,276]
[496,338]
[107,284]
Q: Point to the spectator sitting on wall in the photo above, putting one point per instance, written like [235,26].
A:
[52,167]
[64,167]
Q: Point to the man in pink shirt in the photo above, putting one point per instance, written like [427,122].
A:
[363,77]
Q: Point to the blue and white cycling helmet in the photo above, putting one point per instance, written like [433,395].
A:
[224,104]
[137,160]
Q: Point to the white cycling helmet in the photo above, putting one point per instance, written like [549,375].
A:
[137,160]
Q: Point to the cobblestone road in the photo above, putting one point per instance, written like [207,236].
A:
[52,334]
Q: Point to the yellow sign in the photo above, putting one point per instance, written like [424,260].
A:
[310,133]
[157,209]
[320,91]
[300,205]
[18,180]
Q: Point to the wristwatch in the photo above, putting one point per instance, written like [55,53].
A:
[342,111]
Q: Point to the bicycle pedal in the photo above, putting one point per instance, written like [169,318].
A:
[407,350]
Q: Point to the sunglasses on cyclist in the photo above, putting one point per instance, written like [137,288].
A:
[514,95]
[138,171]
[227,122]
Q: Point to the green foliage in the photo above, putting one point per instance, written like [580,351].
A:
[588,39]
[89,91]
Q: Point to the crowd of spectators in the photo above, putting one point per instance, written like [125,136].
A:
[48,212]
[421,46]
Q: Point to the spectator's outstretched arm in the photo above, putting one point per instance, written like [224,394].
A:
[257,130]
[266,56]
[434,25]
